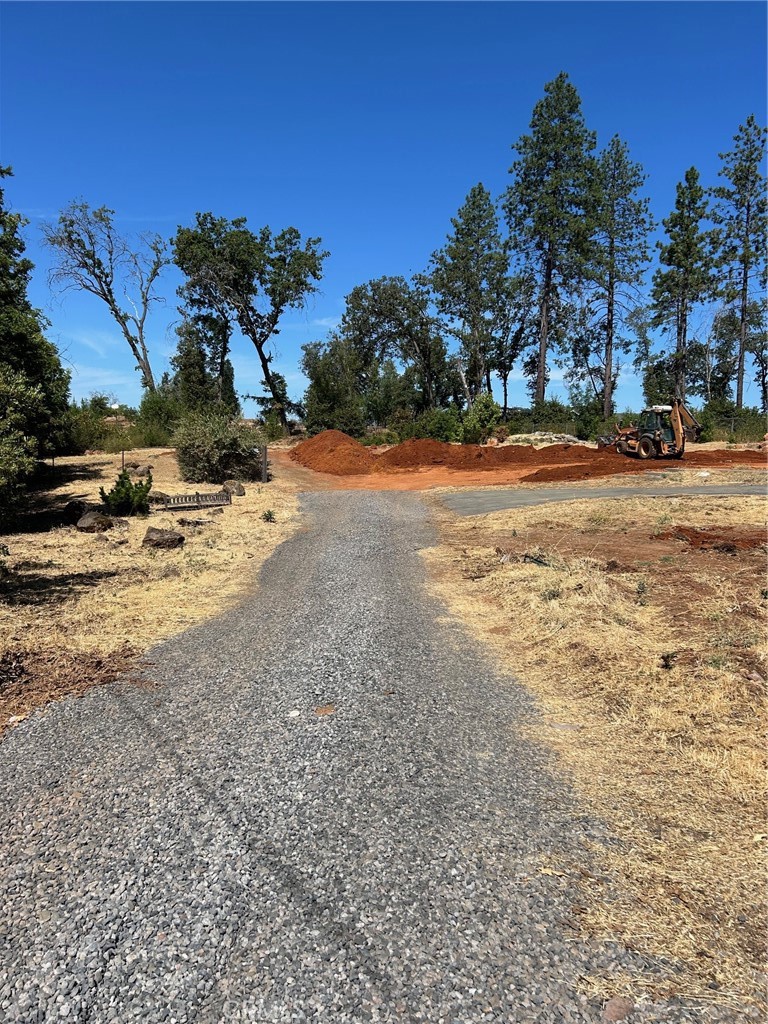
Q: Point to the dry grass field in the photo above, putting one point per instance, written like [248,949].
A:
[76,609]
[644,641]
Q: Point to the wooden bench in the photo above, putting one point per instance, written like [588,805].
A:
[182,502]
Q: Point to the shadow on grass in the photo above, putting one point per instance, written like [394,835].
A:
[44,510]
[24,586]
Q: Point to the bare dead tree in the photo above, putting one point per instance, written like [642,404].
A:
[91,256]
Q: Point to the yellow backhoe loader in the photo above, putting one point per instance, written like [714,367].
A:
[661,432]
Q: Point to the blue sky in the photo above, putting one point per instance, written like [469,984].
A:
[363,123]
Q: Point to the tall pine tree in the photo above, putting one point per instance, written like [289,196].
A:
[619,254]
[469,280]
[741,222]
[685,276]
[549,207]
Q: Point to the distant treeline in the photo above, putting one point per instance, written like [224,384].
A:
[550,274]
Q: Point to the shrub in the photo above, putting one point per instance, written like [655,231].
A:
[440,425]
[272,427]
[127,498]
[83,429]
[380,437]
[481,420]
[501,433]
[722,421]
[268,516]
[214,447]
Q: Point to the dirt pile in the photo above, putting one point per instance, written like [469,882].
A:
[726,541]
[421,454]
[334,452]
[581,463]
[337,453]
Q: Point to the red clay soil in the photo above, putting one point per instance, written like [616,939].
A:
[726,541]
[336,453]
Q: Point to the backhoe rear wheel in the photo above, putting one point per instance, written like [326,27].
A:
[646,449]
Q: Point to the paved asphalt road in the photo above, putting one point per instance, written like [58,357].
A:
[477,503]
[214,850]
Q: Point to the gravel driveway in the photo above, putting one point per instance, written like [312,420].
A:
[214,850]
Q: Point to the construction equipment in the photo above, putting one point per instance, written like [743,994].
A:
[661,432]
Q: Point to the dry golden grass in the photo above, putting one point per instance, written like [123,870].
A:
[94,594]
[655,654]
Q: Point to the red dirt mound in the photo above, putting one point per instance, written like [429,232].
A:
[337,453]
[423,453]
[582,463]
[727,541]
[334,452]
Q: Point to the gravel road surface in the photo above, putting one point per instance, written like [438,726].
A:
[478,503]
[214,850]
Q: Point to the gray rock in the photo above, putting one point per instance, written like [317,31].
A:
[143,470]
[94,522]
[233,487]
[74,511]
[156,497]
[165,539]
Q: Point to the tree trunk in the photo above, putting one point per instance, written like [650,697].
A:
[504,380]
[280,408]
[680,353]
[488,380]
[609,328]
[541,370]
[762,371]
[743,312]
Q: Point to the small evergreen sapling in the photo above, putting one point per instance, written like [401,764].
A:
[127,498]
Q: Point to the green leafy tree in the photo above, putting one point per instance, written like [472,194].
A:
[759,352]
[211,332]
[740,215]
[24,350]
[481,420]
[386,392]
[712,362]
[252,277]
[338,382]
[469,280]
[549,207]
[203,373]
[516,323]
[91,256]
[192,383]
[18,450]
[685,275]
[390,318]
[619,255]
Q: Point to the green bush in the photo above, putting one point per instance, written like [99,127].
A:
[214,447]
[380,437]
[127,498]
[721,421]
[437,424]
[440,425]
[272,427]
[481,420]
[83,430]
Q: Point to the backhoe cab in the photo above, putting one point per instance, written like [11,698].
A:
[661,432]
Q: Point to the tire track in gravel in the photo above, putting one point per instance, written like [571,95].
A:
[212,850]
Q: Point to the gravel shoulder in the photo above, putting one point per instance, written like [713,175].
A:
[325,809]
